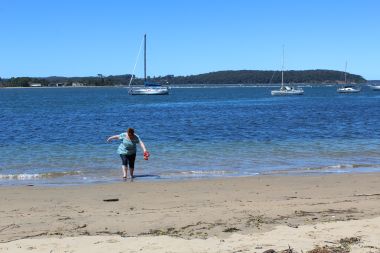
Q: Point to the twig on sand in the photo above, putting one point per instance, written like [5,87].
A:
[110,200]
[366,195]
[8,226]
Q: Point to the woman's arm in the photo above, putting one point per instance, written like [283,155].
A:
[143,146]
[115,137]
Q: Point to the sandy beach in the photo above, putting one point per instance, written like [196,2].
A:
[250,214]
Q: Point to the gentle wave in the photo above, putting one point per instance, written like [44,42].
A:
[204,174]
[178,175]
[338,168]
[190,173]
[49,175]
[207,172]
[345,166]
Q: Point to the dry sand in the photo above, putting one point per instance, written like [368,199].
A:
[251,214]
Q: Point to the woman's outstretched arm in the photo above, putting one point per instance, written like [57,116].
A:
[115,137]
[143,146]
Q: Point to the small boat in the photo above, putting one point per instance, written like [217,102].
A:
[286,90]
[348,88]
[149,88]
[375,87]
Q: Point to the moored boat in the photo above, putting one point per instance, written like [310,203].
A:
[348,88]
[286,90]
[375,87]
[149,88]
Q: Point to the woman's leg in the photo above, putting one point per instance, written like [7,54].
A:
[125,170]
[124,166]
[131,159]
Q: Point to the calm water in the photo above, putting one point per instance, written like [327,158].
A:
[57,135]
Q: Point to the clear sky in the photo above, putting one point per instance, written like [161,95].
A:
[88,37]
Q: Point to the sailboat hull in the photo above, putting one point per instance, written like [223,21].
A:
[348,90]
[149,91]
[286,93]
[375,87]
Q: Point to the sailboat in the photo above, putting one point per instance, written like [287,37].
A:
[375,87]
[347,88]
[149,88]
[286,90]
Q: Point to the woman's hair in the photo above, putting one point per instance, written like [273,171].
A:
[131,133]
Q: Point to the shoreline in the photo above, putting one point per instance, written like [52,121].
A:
[191,210]
[49,183]
[187,86]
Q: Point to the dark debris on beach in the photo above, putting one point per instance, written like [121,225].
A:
[342,246]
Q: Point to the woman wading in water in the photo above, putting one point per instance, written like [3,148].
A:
[127,150]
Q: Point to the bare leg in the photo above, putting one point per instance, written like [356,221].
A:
[125,170]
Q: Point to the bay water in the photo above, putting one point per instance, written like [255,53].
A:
[57,136]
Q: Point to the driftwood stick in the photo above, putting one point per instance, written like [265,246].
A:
[367,195]
[7,226]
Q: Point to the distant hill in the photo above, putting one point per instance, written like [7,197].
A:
[266,77]
[220,77]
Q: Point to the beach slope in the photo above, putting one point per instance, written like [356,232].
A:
[220,215]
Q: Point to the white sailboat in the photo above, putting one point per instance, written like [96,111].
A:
[149,88]
[286,90]
[347,88]
[375,87]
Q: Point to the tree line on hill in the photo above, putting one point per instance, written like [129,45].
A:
[220,77]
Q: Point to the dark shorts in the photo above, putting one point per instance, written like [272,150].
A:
[128,160]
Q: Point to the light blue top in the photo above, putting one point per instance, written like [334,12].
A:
[127,146]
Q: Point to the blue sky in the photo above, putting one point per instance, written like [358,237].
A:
[87,37]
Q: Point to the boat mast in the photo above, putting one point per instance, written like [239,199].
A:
[134,67]
[345,74]
[144,57]
[282,70]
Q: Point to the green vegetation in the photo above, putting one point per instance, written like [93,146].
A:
[22,81]
[219,77]
[267,77]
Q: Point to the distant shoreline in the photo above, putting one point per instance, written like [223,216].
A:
[181,86]
[226,77]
